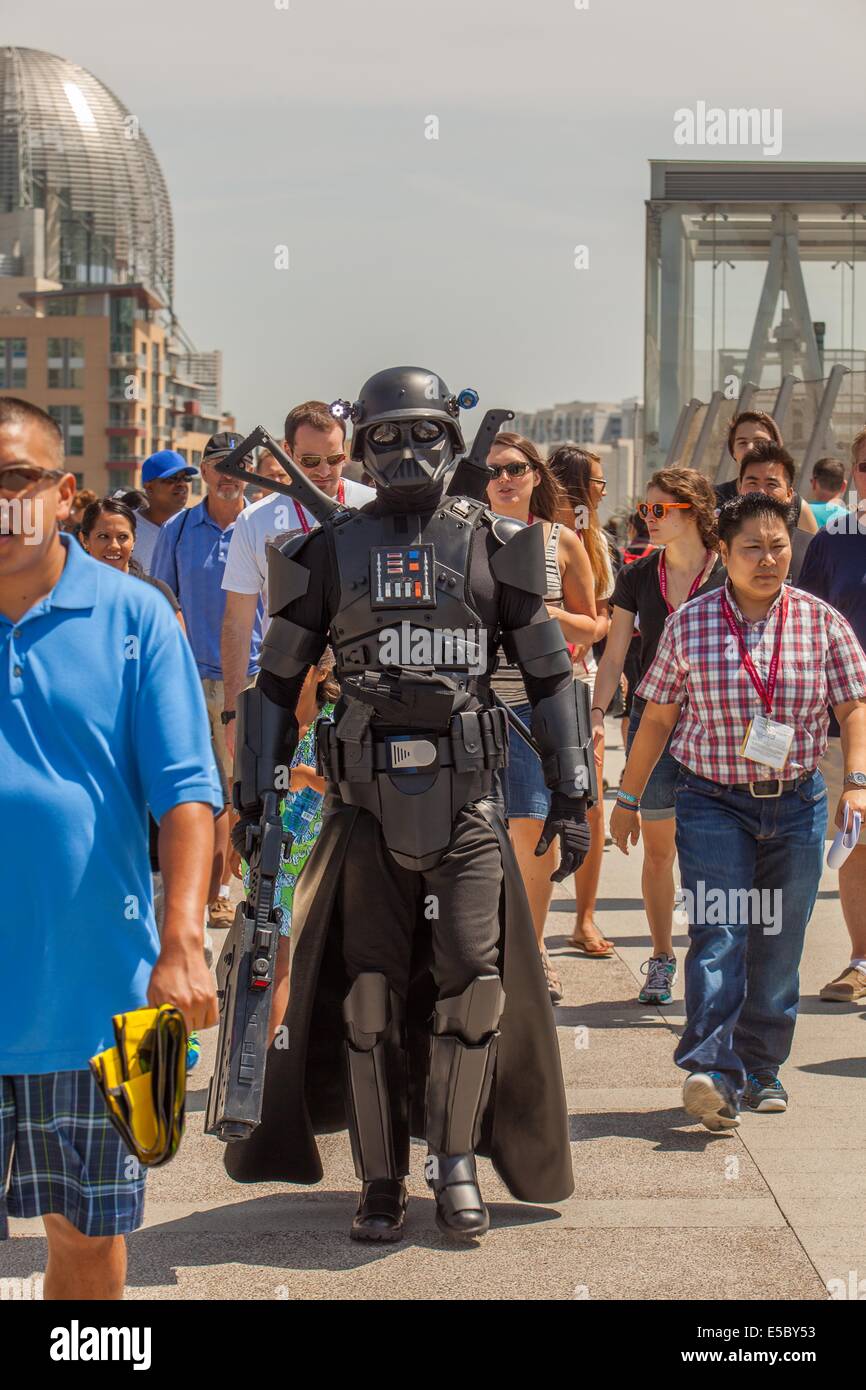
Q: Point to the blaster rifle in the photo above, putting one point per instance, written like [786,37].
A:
[471,476]
[301,490]
[245,987]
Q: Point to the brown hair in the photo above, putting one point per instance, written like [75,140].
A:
[85,498]
[688,485]
[546,498]
[856,442]
[313,413]
[758,417]
[572,467]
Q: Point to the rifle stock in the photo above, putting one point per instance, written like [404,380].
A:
[245,988]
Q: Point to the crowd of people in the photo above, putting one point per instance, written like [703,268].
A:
[725,629]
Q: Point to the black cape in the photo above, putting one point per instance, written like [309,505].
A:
[525,1128]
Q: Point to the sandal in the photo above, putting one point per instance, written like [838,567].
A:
[598,950]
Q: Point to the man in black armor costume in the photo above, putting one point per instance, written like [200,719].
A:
[411,905]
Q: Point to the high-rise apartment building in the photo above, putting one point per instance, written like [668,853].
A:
[87,328]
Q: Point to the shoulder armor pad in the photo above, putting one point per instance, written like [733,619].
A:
[520,560]
[287,579]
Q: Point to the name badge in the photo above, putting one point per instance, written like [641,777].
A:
[767,742]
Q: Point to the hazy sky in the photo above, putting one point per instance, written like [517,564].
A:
[305,127]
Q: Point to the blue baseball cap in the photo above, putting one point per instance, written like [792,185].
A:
[166,464]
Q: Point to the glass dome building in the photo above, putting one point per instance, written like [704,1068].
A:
[70,150]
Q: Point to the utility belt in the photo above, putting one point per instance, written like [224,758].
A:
[476,740]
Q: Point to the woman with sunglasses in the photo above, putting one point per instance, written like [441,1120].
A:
[679,512]
[582,482]
[523,487]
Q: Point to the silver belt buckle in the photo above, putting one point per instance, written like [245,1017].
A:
[766,796]
[411,754]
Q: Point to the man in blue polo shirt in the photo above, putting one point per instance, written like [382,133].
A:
[190,557]
[101,717]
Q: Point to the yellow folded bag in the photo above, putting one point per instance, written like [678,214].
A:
[143,1081]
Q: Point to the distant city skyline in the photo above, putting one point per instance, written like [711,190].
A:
[306,128]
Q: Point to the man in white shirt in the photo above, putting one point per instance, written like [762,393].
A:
[316,441]
[165,477]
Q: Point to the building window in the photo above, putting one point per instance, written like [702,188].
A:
[122,320]
[121,477]
[195,486]
[70,418]
[13,363]
[79,480]
[65,364]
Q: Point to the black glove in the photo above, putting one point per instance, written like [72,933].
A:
[567,819]
[239,831]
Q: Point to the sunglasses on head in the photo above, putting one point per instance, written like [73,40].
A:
[514,470]
[660,509]
[313,460]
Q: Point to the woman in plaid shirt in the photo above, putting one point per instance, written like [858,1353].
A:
[745,674]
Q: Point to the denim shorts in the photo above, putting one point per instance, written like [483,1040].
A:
[526,796]
[64,1156]
[657,802]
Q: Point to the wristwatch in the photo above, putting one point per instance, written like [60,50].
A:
[856,779]
[228,715]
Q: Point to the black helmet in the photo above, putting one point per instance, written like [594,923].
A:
[407,430]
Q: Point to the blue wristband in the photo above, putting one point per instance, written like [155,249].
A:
[627,796]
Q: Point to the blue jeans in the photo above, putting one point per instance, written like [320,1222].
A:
[742,981]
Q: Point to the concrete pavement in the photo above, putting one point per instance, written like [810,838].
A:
[662,1209]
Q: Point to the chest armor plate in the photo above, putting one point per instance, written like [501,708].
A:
[404,593]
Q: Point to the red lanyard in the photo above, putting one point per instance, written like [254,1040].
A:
[663,579]
[341,498]
[765,692]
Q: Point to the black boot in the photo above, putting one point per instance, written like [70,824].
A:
[462,1058]
[381,1210]
[377,1106]
[460,1210]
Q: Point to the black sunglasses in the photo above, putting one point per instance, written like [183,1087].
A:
[514,470]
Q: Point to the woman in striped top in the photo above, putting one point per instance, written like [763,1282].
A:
[524,488]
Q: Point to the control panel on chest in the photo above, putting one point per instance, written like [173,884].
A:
[403,576]
[405,572]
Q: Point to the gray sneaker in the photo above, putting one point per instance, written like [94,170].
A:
[765,1093]
[661,976]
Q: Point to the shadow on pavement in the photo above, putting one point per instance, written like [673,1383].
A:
[838,1066]
[666,1127]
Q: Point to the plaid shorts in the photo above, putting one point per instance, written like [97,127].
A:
[60,1153]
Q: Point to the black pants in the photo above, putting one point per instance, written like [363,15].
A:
[381,904]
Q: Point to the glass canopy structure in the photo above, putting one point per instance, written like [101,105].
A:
[751,290]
